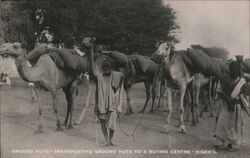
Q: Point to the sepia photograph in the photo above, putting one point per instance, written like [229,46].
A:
[124,78]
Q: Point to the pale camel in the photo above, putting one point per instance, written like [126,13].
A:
[46,75]
[177,76]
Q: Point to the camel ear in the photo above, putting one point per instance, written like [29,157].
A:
[157,44]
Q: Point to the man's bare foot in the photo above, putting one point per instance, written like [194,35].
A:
[112,144]
[105,144]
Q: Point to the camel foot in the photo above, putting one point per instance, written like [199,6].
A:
[165,129]
[59,129]
[129,113]
[194,123]
[38,131]
[151,111]
[211,115]
[216,148]
[64,123]
[34,98]
[187,120]
[78,122]
[201,115]
[205,109]
[182,129]
[142,111]
[70,127]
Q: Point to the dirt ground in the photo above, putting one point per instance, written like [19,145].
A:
[19,119]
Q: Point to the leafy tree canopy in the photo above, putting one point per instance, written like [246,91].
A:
[125,25]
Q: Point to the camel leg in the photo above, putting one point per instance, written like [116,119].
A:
[210,97]
[162,93]
[128,91]
[159,93]
[91,87]
[165,95]
[72,94]
[191,91]
[148,94]
[33,93]
[197,95]
[169,109]
[66,91]
[40,125]
[189,105]
[182,126]
[153,99]
[55,104]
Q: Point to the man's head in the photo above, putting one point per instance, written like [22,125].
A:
[235,69]
[106,67]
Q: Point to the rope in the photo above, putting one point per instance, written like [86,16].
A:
[96,132]
[132,135]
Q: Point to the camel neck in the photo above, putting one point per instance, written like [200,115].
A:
[24,70]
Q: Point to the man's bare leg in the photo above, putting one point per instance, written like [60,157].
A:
[111,135]
[105,133]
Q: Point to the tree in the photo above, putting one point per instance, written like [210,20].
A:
[15,23]
[126,25]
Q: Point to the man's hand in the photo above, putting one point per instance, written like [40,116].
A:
[118,111]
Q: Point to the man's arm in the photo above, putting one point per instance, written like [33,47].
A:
[92,63]
[117,86]
[246,76]
[246,88]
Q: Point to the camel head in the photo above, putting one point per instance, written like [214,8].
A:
[164,49]
[14,49]
[88,42]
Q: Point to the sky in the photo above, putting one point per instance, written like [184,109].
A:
[214,23]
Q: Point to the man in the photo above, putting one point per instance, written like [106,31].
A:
[108,96]
[232,100]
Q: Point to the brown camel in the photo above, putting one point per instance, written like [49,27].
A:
[46,75]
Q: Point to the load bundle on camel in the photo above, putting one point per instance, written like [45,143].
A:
[46,75]
[136,69]
[222,64]
[213,52]
[143,64]
[203,63]
[120,58]
[247,65]
[63,58]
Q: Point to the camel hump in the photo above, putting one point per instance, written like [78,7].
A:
[143,64]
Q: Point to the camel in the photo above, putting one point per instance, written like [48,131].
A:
[147,79]
[46,75]
[176,75]
[131,78]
